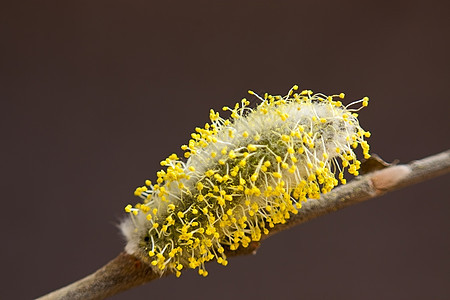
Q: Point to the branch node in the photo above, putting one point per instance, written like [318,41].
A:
[387,178]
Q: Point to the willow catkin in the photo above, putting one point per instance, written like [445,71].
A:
[243,176]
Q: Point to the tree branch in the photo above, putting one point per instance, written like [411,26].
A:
[127,271]
[370,186]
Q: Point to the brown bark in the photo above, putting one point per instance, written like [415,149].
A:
[127,271]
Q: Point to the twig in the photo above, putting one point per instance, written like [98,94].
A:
[120,274]
[127,271]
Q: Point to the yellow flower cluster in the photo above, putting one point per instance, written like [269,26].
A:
[243,176]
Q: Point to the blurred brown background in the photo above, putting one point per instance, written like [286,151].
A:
[94,94]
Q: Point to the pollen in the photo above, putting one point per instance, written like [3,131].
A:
[227,192]
[251,148]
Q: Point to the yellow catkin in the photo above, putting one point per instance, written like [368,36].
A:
[242,177]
